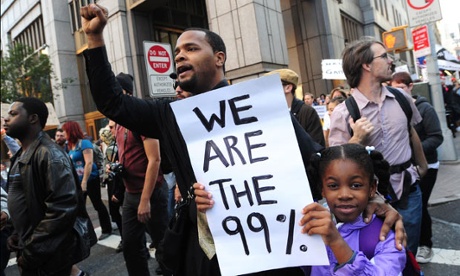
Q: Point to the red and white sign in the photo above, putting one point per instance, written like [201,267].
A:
[422,12]
[421,41]
[159,65]
[159,59]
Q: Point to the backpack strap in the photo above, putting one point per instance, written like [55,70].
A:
[405,105]
[353,109]
[369,237]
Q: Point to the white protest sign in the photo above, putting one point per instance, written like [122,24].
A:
[243,149]
[321,110]
[332,69]
[159,65]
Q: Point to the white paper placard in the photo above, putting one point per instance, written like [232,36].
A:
[248,157]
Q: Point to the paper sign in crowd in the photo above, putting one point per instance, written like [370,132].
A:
[243,149]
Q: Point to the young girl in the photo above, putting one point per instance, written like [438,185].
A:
[346,176]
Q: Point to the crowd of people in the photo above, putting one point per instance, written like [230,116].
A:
[374,167]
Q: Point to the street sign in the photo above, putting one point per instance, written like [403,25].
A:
[422,12]
[421,41]
[159,64]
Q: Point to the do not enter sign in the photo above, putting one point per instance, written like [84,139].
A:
[159,59]
[159,65]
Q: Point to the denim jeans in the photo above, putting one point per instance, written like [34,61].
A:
[135,251]
[412,218]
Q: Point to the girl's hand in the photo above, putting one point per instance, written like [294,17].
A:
[203,199]
[318,220]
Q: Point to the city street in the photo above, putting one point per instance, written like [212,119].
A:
[445,203]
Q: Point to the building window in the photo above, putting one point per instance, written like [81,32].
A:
[171,19]
[386,10]
[167,36]
[33,36]
[394,14]
[352,29]
[376,4]
[181,14]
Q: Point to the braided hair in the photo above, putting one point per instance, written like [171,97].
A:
[372,162]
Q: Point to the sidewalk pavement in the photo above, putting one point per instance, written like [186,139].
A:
[447,187]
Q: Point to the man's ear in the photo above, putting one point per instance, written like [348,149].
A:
[367,66]
[288,88]
[33,119]
[220,58]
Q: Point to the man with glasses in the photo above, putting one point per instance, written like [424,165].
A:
[383,124]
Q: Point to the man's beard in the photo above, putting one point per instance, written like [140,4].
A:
[190,85]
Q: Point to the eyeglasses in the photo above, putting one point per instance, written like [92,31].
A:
[384,56]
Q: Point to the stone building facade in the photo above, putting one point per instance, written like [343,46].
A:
[260,35]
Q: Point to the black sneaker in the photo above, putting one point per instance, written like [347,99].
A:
[119,247]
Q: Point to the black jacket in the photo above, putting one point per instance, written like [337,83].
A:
[309,120]
[46,186]
[429,129]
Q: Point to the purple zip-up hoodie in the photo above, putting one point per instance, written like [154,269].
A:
[387,259]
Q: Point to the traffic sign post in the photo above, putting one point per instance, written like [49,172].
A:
[159,64]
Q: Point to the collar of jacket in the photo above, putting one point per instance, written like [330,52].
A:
[30,151]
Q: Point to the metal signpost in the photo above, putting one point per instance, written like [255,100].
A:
[421,12]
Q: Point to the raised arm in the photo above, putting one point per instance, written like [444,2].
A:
[94,18]
[130,112]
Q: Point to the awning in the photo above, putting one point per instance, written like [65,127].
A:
[446,60]
[52,121]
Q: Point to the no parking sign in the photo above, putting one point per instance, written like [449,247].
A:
[159,64]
